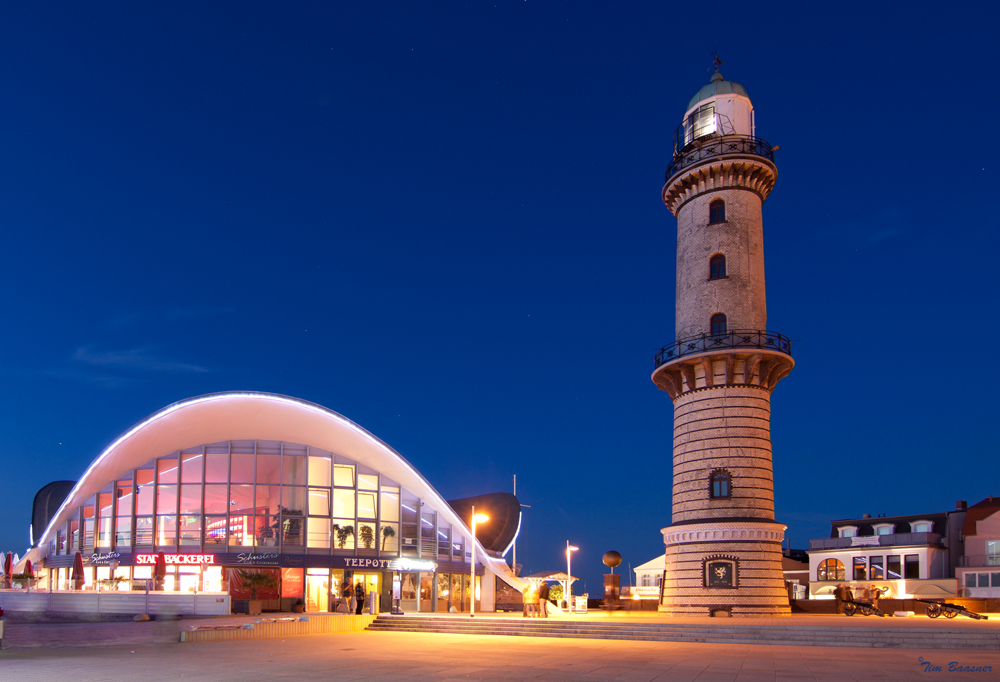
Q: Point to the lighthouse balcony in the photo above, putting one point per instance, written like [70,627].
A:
[714,146]
[737,338]
[742,357]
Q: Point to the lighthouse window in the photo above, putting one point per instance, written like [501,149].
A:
[717,267]
[720,485]
[718,324]
[717,212]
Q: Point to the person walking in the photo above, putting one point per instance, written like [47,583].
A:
[348,595]
[543,600]
[866,593]
[530,601]
[359,593]
[838,594]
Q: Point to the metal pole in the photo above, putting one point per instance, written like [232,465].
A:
[472,585]
[515,537]
[569,578]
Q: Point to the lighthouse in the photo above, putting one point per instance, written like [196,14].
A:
[723,546]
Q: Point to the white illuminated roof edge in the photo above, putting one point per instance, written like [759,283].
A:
[442,505]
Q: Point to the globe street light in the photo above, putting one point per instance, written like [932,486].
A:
[569,574]
[476,518]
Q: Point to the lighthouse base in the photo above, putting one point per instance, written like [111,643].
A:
[724,567]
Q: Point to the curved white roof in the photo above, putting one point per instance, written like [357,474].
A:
[248,415]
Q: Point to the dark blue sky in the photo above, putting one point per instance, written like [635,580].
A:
[444,222]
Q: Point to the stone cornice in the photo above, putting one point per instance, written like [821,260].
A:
[761,369]
[751,173]
[721,530]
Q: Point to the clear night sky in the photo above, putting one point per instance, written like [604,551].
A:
[443,220]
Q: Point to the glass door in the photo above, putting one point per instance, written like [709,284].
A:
[317,589]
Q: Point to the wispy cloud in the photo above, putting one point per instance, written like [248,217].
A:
[87,376]
[172,315]
[873,230]
[141,359]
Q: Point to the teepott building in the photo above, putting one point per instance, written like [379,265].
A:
[208,486]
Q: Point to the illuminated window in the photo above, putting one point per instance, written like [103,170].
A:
[921,527]
[720,485]
[718,324]
[717,267]
[830,569]
[717,212]
[848,531]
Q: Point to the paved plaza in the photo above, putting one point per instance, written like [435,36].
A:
[392,656]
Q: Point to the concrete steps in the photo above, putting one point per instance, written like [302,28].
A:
[900,637]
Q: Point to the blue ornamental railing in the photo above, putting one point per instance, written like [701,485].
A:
[738,338]
[718,146]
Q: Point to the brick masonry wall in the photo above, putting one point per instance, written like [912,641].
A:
[756,546]
[727,427]
[719,425]
[741,295]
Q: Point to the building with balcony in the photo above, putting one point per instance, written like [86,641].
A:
[978,572]
[906,556]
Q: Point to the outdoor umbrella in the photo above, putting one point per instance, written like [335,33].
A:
[29,571]
[77,576]
[8,563]
[160,570]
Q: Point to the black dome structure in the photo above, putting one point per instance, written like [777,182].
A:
[46,504]
[504,510]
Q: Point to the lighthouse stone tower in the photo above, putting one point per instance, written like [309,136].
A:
[723,547]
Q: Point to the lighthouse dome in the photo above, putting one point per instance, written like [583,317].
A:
[720,108]
[717,86]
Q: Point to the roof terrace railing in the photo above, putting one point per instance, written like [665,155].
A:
[876,541]
[737,338]
[718,146]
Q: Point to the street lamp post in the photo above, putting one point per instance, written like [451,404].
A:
[476,518]
[569,574]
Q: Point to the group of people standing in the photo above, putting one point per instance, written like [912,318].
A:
[536,600]
[353,598]
[869,593]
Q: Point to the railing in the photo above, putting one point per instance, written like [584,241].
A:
[980,560]
[719,146]
[739,338]
[877,541]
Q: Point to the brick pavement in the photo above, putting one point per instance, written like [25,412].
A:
[47,635]
[377,657]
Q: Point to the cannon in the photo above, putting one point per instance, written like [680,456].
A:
[852,606]
[937,608]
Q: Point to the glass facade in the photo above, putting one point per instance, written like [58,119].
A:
[291,503]
[244,495]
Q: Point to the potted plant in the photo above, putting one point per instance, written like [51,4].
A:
[256,581]
[266,533]
[112,583]
[343,532]
[367,535]
[387,532]
[298,607]
[22,581]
